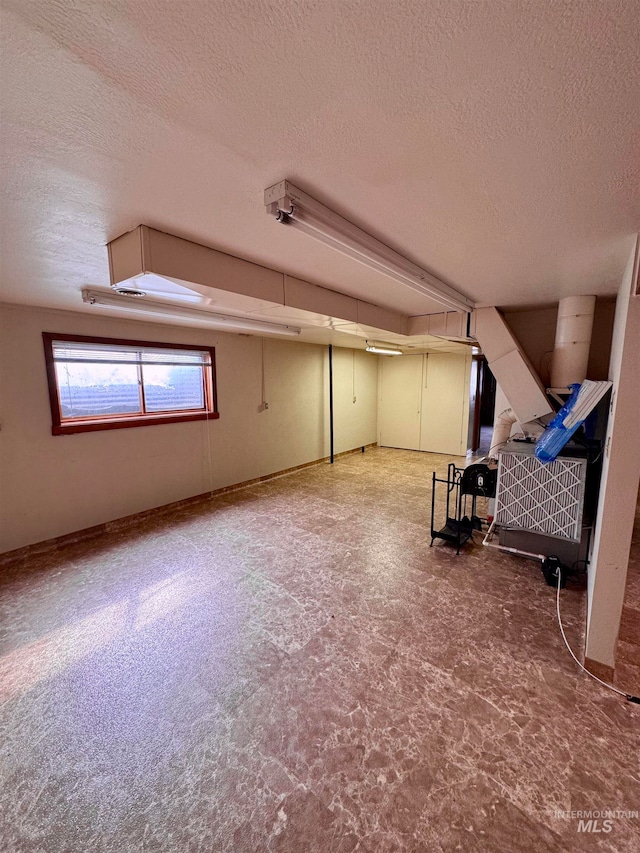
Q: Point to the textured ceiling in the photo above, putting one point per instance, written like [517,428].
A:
[495,143]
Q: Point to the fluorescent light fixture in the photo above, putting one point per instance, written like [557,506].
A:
[383,349]
[111,299]
[294,208]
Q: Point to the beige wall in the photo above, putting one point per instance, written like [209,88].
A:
[600,350]
[52,485]
[535,331]
[619,484]
[354,376]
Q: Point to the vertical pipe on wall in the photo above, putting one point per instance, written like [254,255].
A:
[573,340]
[331,399]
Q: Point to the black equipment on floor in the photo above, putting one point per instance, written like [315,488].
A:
[461,484]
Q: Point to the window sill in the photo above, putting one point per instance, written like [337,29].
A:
[72,427]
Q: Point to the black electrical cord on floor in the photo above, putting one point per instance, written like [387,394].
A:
[627,696]
[575,571]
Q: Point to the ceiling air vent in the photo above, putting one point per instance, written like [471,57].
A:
[131,292]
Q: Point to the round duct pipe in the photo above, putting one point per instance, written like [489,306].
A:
[573,339]
[501,431]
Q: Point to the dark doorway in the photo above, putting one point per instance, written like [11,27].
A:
[485,402]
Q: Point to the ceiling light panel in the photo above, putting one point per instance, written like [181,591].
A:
[225,322]
[382,348]
[292,207]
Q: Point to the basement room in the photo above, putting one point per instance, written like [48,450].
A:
[319,411]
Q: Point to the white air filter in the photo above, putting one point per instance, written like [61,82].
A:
[541,498]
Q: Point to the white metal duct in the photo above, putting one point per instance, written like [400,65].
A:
[510,366]
[573,340]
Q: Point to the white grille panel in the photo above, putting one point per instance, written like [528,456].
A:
[541,498]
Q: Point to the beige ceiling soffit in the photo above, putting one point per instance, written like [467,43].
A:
[312,297]
[382,318]
[151,251]
[128,255]
[147,251]
[295,209]
[451,325]
[510,366]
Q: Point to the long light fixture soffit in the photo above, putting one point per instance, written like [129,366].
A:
[224,322]
[292,207]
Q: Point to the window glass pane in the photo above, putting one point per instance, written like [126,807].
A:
[169,388]
[97,389]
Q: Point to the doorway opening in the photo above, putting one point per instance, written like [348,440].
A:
[483,403]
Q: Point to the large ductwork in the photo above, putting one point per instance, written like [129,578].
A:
[573,340]
[515,375]
[510,366]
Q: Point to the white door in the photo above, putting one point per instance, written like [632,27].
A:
[445,403]
[400,392]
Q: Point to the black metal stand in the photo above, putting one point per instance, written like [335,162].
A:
[474,481]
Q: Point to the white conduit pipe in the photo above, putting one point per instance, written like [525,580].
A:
[501,432]
[573,340]
[489,544]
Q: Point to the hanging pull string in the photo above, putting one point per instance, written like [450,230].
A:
[353,375]
[627,696]
[263,390]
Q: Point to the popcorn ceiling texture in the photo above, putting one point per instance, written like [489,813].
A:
[495,143]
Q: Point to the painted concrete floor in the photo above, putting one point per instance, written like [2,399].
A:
[290,667]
